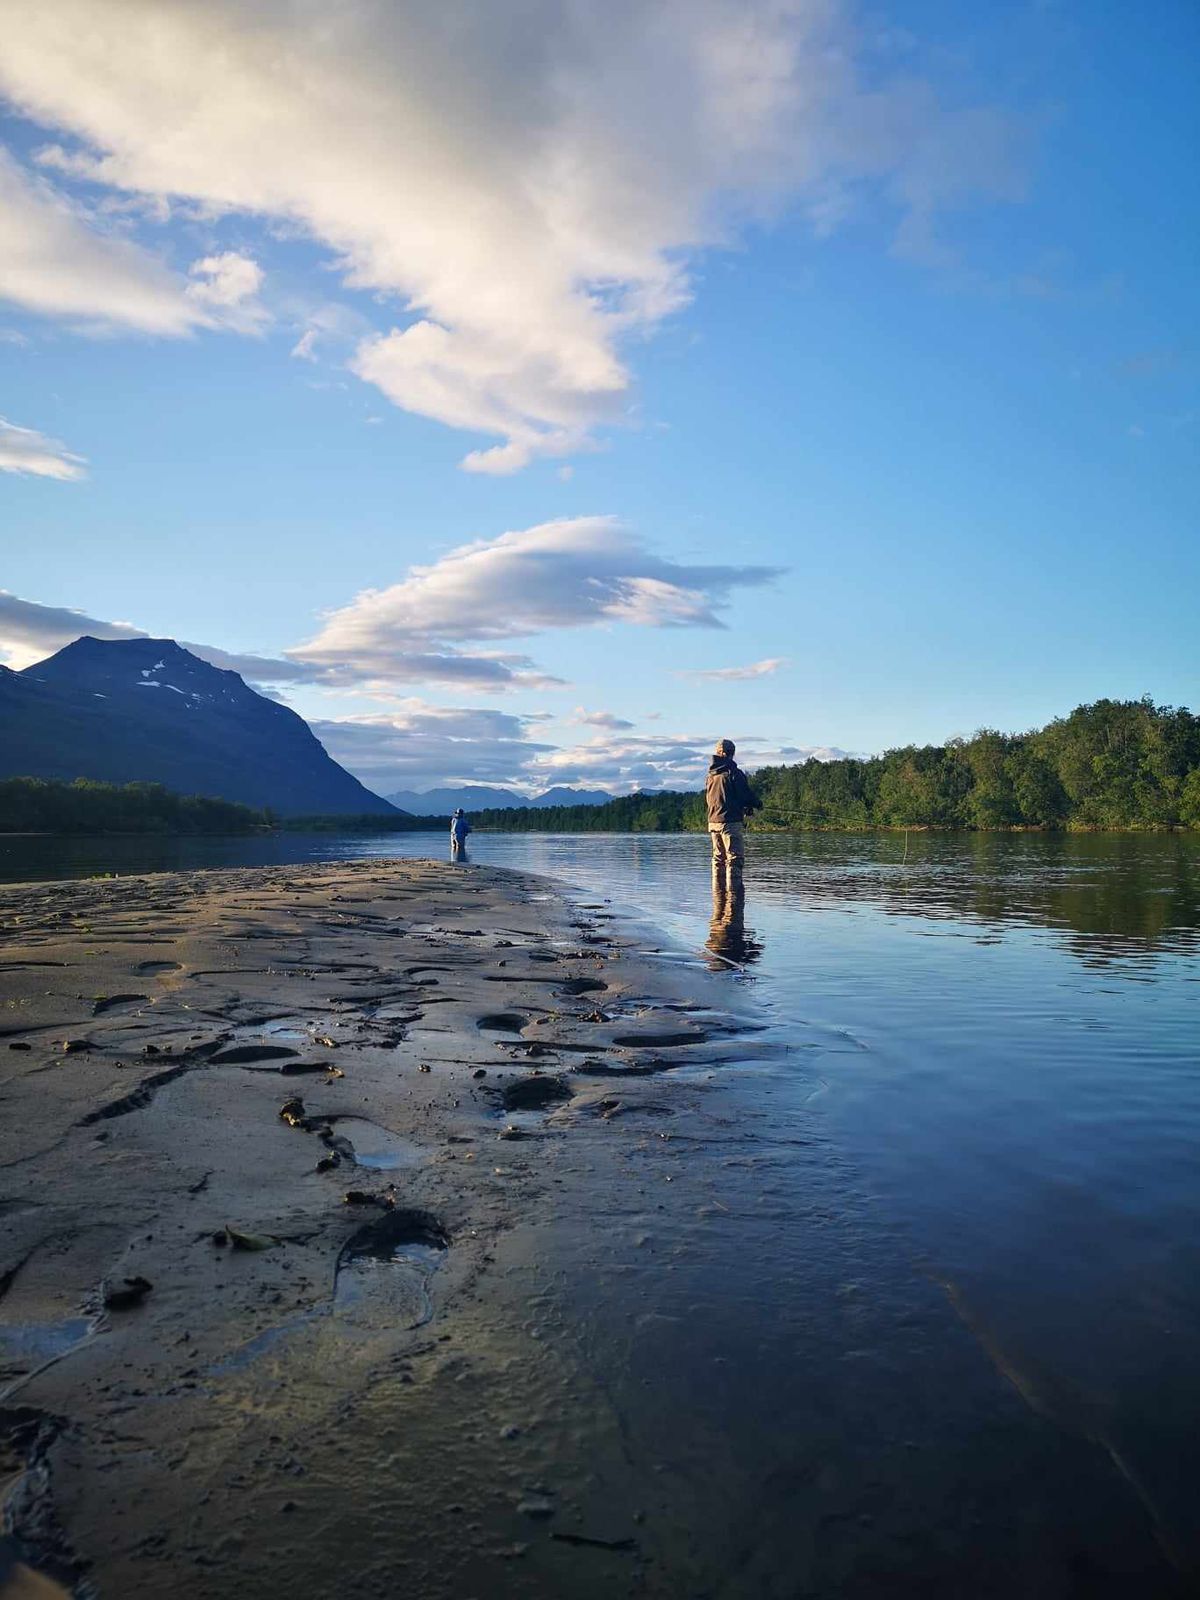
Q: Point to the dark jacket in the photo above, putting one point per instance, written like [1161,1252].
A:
[728,792]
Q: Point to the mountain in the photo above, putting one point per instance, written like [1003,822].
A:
[146,710]
[481,797]
[441,802]
[560,796]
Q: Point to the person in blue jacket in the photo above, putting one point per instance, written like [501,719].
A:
[459,829]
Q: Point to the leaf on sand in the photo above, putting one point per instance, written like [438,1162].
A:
[594,1544]
[247,1241]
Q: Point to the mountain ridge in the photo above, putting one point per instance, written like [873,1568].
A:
[148,710]
[440,801]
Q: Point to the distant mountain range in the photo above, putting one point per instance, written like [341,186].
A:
[481,797]
[146,710]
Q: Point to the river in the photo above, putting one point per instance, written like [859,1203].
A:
[998,1035]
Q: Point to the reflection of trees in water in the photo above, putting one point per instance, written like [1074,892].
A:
[1117,895]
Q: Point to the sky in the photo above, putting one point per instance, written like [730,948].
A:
[535,394]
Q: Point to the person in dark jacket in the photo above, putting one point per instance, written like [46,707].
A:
[730,800]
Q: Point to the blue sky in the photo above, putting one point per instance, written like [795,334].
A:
[854,346]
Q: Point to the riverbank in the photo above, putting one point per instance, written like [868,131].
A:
[603,1316]
[264,1135]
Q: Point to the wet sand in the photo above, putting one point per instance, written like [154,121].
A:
[389,1228]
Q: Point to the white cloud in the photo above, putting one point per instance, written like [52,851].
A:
[757,669]
[226,286]
[573,573]
[26,451]
[525,186]
[420,746]
[598,719]
[225,280]
[627,761]
[53,261]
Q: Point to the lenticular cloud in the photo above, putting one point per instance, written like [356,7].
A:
[576,572]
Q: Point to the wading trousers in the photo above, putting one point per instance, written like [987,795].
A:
[728,855]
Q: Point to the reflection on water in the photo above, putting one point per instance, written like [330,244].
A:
[729,945]
[1111,896]
[1117,894]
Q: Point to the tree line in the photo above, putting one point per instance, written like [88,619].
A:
[44,805]
[631,813]
[1113,764]
[47,805]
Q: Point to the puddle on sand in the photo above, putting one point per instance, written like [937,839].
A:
[385,1268]
[287,1030]
[534,1093]
[25,1345]
[501,1022]
[376,1147]
[381,1283]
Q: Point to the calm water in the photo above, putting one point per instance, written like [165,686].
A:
[1004,1039]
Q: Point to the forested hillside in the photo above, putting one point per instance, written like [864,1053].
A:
[1112,764]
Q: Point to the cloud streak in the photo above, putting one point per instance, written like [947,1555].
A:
[757,669]
[33,454]
[523,187]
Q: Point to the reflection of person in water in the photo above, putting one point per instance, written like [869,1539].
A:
[729,943]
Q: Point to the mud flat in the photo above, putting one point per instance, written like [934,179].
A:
[388,1228]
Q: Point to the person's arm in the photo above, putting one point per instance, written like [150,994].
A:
[750,801]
